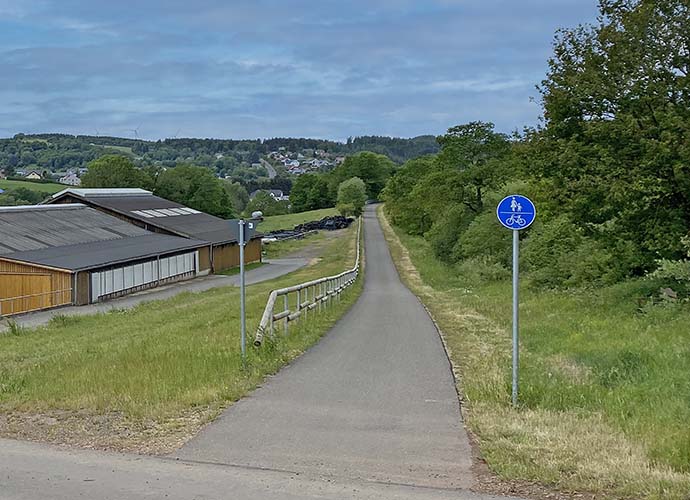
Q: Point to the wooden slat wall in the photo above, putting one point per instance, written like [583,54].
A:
[228,256]
[204,259]
[18,280]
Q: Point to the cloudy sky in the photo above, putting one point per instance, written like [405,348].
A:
[266,68]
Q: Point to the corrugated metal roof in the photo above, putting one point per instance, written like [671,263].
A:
[49,226]
[139,206]
[98,254]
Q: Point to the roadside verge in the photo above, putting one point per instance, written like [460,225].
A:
[532,452]
[146,379]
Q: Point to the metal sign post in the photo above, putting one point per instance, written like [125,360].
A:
[246,230]
[516,213]
[243,320]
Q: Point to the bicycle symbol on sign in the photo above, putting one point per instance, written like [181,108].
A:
[516,219]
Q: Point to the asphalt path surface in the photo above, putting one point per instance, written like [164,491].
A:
[369,412]
[374,400]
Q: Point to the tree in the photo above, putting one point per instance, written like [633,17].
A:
[266,204]
[479,154]
[614,152]
[238,195]
[310,192]
[115,171]
[374,169]
[401,206]
[352,196]
[195,187]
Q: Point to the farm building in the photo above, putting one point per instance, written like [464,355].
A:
[53,255]
[144,209]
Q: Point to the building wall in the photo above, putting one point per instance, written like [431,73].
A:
[204,259]
[25,288]
[83,291]
[125,279]
[228,256]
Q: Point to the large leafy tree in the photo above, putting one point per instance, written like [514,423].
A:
[372,168]
[237,193]
[115,171]
[310,192]
[352,196]
[195,187]
[615,148]
[478,154]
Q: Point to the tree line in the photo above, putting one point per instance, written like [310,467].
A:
[609,169]
[53,152]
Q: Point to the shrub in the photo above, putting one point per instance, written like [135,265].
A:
[481,269]
[443,235]
[485,237]
[558,255]
[675,273]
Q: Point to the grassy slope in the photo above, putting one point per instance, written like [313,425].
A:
[145,379]
[604,390]
[34,186]
[289,221]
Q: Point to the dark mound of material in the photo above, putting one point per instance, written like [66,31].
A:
[328,223]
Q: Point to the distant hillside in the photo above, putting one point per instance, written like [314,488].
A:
[59,152]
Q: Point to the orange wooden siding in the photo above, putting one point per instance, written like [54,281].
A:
[228,256]
[26,288]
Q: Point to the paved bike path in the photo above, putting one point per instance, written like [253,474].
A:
[374,400]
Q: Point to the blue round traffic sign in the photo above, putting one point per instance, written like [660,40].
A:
[516,212]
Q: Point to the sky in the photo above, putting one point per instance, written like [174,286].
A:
[275,68]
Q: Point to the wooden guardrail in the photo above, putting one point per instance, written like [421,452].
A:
[309,296]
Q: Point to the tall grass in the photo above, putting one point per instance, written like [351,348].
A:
[162,359]
[604,383]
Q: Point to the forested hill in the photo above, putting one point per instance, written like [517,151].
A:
[61,151]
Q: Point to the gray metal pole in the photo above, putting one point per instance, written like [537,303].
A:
[516,291]
[243,325]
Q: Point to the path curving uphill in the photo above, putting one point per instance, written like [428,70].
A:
[370,412]
[375,400]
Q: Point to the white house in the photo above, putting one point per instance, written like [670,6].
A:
[71,179]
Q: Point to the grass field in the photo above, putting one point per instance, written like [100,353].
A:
[604,385]
[284,248]
[120,149]
[146,379]
[47,188]
[289,221]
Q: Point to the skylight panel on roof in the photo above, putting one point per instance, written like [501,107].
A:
[179,211]
[167,212]
[142,213]
[154,213]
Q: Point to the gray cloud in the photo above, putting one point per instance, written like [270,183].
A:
[268,67]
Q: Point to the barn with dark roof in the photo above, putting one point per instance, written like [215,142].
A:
[144,209]
[54,255]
